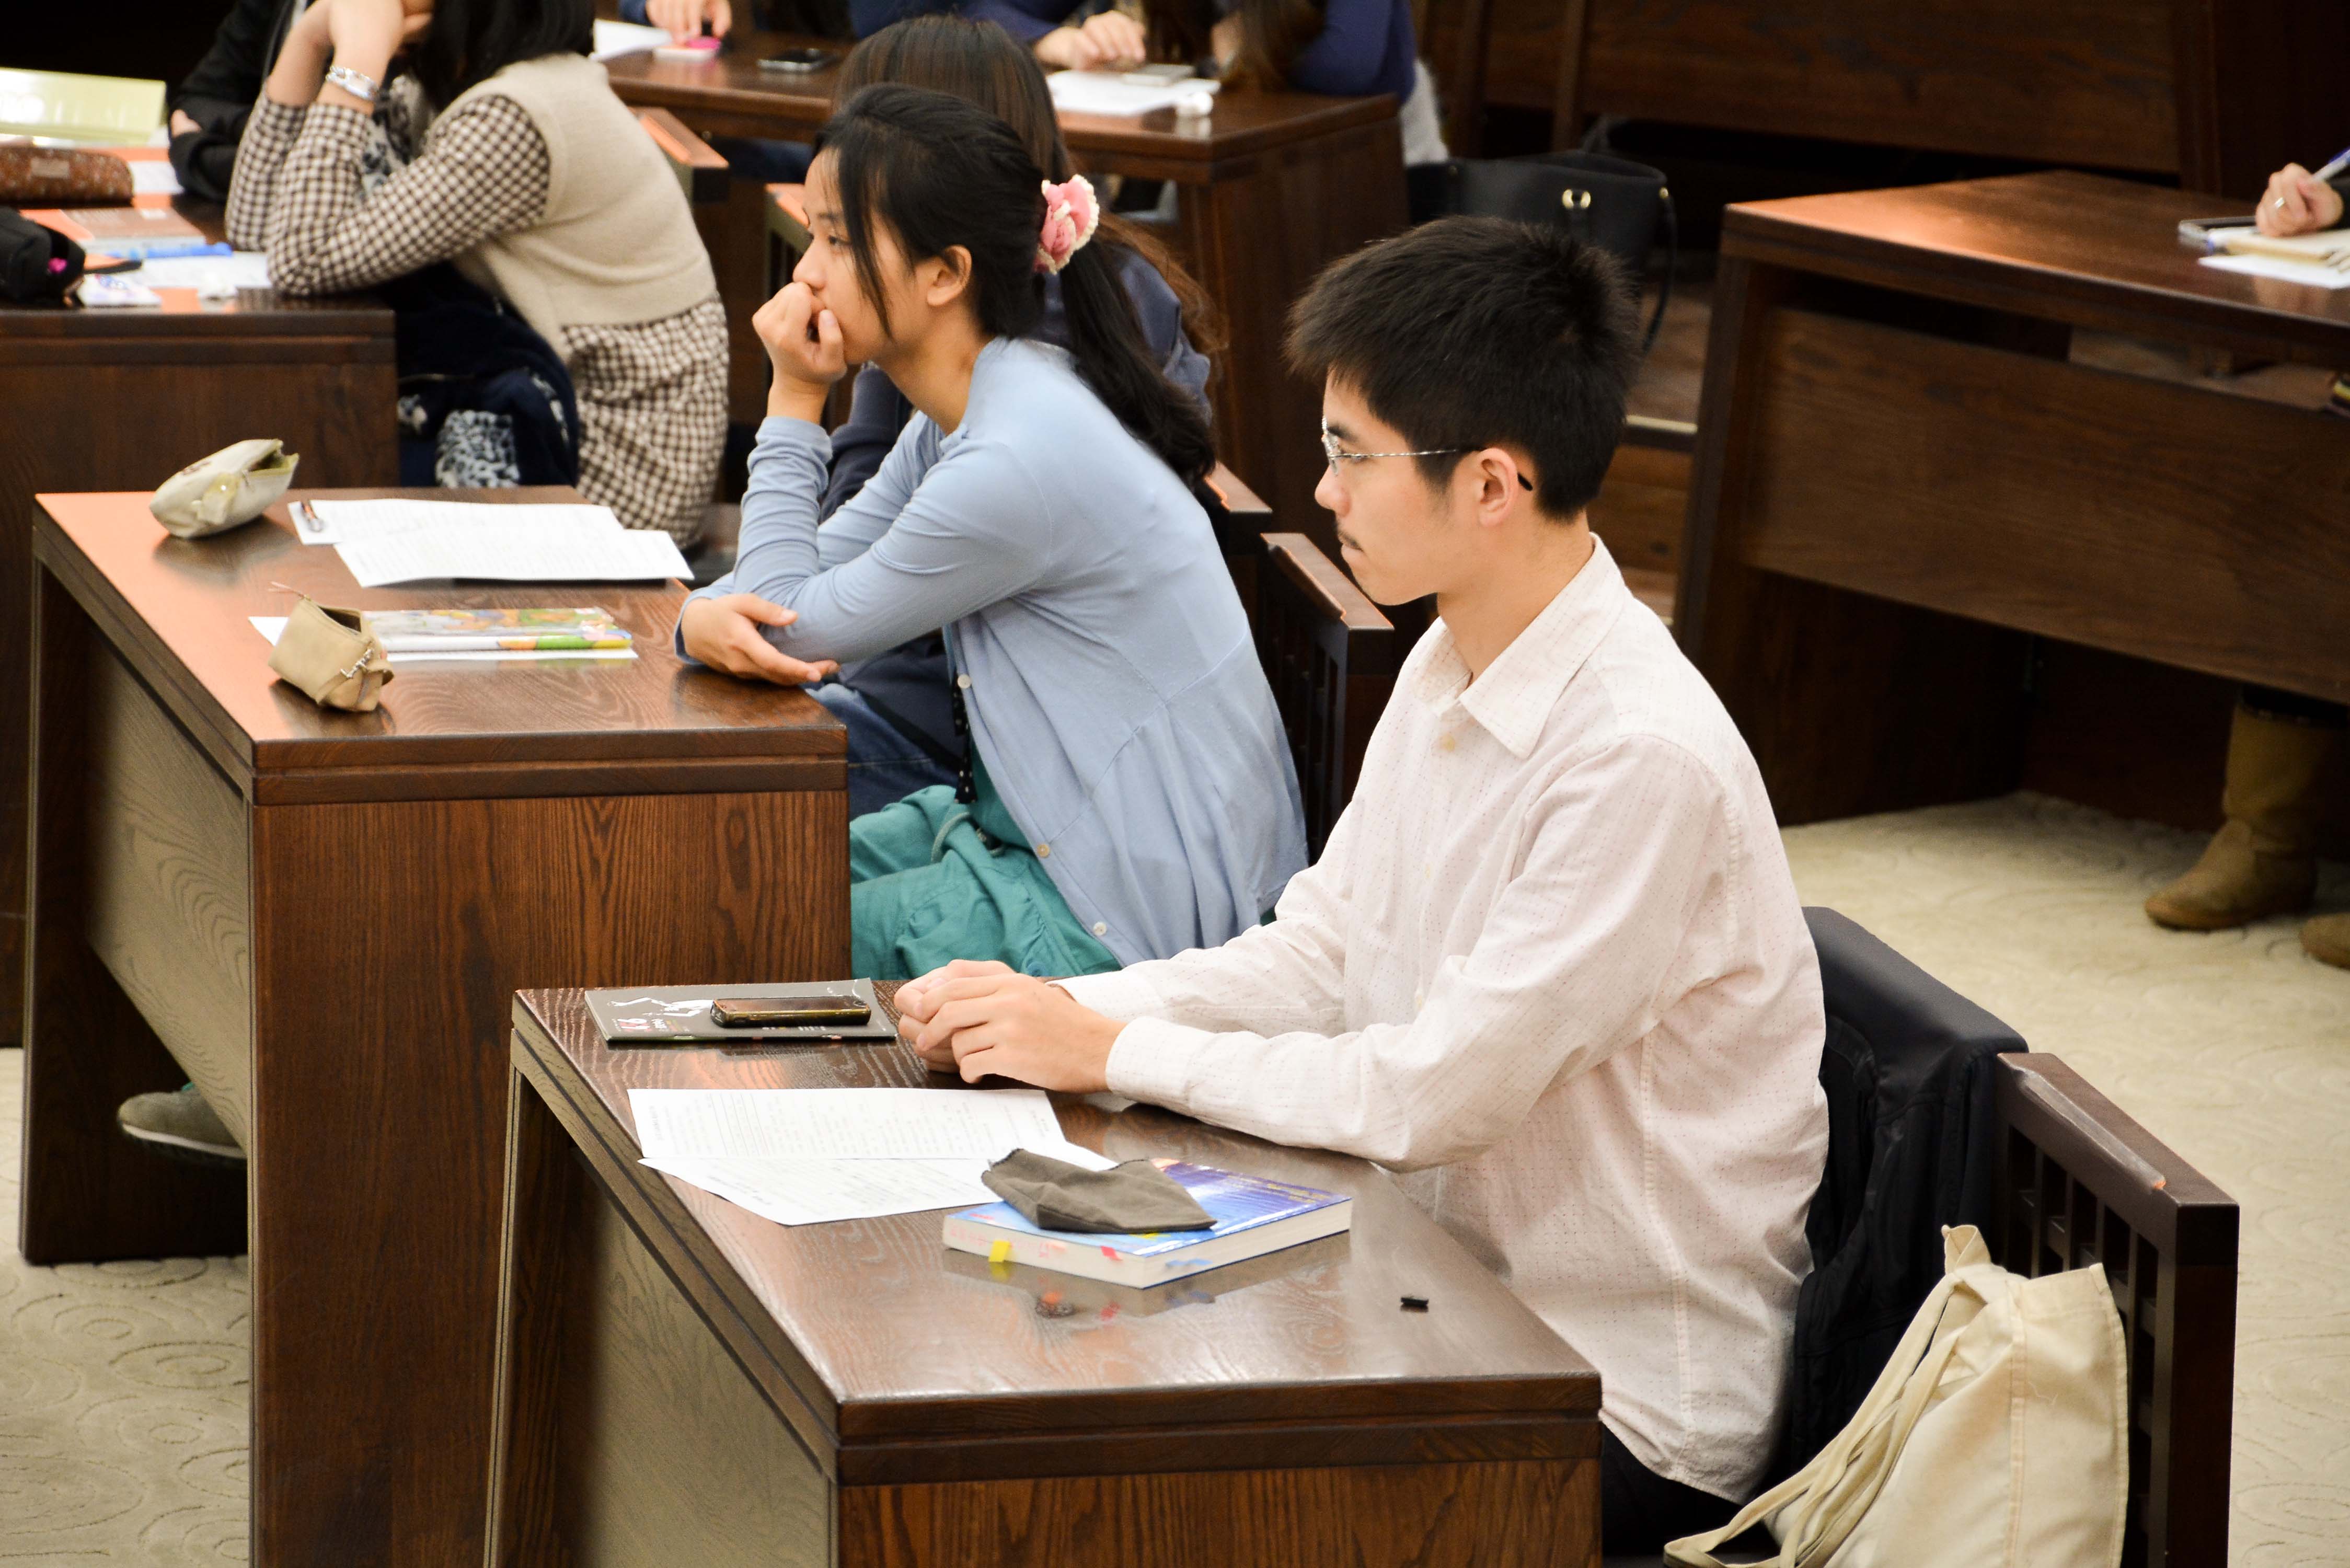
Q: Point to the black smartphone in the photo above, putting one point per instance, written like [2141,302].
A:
[786,1012]
[800,60]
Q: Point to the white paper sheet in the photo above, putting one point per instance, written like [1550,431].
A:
[842,1123]
[617,38]
[1108,92]
[524,550]
[273,627]
[343,522]
[2283,269]
[818,1191]
[153,177]
[220,274]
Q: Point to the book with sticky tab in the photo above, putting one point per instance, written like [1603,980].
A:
[1253,1216]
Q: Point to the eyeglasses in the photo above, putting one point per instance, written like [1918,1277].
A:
[1337,454]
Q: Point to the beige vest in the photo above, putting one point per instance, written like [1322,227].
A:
[615,243]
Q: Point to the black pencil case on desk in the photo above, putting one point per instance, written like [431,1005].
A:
[38,265]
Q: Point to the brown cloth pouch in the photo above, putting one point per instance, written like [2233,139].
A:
[333,656]
[232,486]
[1132,1199]
[30,175]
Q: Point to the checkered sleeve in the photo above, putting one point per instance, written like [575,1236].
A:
[652,415]
[483,172]
[269,135]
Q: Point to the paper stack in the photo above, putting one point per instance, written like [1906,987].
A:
[806,1157]
[405,541]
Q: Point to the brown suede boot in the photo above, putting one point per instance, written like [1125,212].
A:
[2327,939]
[2264,861]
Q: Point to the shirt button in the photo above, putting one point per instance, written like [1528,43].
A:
[1419,999]
[964,681]
[1446,744]
[1044,852]
[1101,928]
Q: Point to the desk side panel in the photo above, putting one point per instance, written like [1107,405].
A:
[88,1194]
[669,1453]
[170,909]
[1512,1514]
[83,414]
[2161,521]
[388,941]
[2062,81]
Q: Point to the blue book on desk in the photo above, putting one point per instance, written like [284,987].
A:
[1253,1217]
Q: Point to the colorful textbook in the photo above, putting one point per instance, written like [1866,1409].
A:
[1254,1217]
[511,630]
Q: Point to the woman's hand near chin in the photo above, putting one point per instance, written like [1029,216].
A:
[803,345]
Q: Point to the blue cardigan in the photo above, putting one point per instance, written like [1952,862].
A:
[1114,688]
[1365,46]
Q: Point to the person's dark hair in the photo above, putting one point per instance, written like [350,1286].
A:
[471,41]
[982,62]
[1273,33]
[1475,332]
[940,172]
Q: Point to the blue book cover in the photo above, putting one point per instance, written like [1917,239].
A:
[1237,1203]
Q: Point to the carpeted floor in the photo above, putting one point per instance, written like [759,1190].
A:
[123,1387]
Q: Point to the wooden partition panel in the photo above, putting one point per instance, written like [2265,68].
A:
[2175,523]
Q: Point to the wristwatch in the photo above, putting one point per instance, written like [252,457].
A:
[359,85]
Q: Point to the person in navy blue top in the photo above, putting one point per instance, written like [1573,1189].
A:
[1343,48]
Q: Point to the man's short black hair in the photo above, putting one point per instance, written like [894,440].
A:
[1476,332]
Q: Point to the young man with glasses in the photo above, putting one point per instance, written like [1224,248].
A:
[1550,969]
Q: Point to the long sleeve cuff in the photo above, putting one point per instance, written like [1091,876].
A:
[1122,994]
[1155,1061]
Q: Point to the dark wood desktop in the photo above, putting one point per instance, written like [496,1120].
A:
[2215,92]
[681,1381]
[321,918]
[1901,479]
[123,398]
[1272,188]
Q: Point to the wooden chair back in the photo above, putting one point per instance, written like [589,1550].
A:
[1332,658]
[700,172]
[2082,1183]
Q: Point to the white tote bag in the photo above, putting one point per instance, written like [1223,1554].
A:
[1994,1437]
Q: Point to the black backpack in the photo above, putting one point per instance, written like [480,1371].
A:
[38,265]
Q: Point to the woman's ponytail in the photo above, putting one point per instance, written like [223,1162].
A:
[1115,358]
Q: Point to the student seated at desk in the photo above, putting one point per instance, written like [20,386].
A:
[1550,965]
[897,704]
[1129,791]
[1345,48]
[541,188]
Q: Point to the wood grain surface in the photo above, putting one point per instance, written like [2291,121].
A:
[1500,1515]
[942,1410]
[1324,1345]
[2076,248]
[652,725]
[170,898]
[124,398]
[2177,524]
[731,95]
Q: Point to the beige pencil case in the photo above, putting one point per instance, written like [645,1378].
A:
[234,485]
[333,656]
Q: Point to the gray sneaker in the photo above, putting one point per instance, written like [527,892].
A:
[180,1124]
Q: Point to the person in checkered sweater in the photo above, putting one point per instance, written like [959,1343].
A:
[502,149]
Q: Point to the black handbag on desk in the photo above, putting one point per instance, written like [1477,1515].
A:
[37,265]
[1611,202]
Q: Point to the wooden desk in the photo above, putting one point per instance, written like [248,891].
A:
[2217,92]
[319,917]
[1273,188]
[1899,475]
[681,1381]
[109,399]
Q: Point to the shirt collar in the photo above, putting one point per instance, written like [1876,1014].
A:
[1513,698]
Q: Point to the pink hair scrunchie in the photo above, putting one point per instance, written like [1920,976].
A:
[1071,214]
